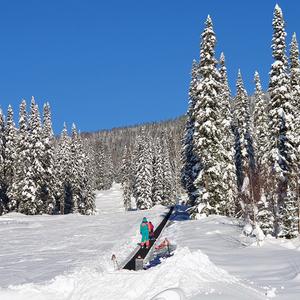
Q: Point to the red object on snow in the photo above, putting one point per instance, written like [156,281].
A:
[163,244]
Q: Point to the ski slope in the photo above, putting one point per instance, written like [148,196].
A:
[69,257]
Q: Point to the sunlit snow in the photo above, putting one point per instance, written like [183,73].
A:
[69,257]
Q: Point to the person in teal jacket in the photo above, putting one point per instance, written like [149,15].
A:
[144,230]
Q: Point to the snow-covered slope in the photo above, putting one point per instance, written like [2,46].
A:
[68,257]
[38,248]
[272,269]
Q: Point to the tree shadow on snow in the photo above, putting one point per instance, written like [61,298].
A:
[180,213]
[159,256]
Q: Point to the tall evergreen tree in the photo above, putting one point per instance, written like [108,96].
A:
[22,154]
[242,117]
[168,181]
[260,139]
[190,161]
[47,178]
[228,204]
[82,195]
[75,165]
[143,181]
[260,123]
[281,152]
[295,72]
[63,188]
[30,203]
[3,197]
[37,152]
[10,156]
[295,86]
[126,178]
[158,173]
[244,149]
[207,134]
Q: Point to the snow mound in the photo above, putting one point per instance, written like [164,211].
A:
[186,273]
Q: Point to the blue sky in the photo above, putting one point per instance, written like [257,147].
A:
[104,64]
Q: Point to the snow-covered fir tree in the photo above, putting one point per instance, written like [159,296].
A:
[227,206]
[37,154]
[158,173]
[295,72]
[103,167]
[190,161]
[22,154]
[31,203]
[168,180]
[260,138]
[207,134]
[244,151]
[126,178]
[3,197]
[75,169]
[63,188]
[295,86]
[35,176]
[260,123]
[10,155]
[281,183]
[242,119]
[47,178]
[144,179]
[82,195]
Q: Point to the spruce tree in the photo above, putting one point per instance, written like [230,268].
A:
[295,72]
[143,181]
[281,182]
[37,151]
[228,205]
[75,165]
[260,123]
[295,86]
[168,181]
[87,205]
[10,155]
[30,186]
[3,197]
[190,161]
[83,200]
[260,139]
[244,150]
[158,173]
[207,133]
[63,188]
[47,178]
[126,178]
[22,150]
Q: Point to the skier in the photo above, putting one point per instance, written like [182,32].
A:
[151,230]
[144,230]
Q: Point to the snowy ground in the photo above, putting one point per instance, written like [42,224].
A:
[68,257]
